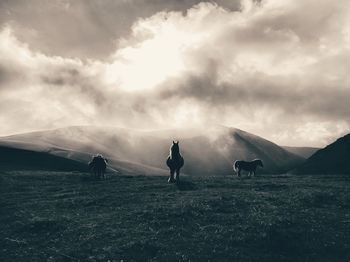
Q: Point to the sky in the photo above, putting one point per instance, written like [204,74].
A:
[279,69]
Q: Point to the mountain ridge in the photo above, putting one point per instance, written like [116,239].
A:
[332,159]
[302,151]
[206,152]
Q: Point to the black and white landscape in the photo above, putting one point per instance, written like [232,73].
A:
[151,88]
[207,152]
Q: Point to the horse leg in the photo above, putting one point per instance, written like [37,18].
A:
[177,175]
[239,172]
[171,177]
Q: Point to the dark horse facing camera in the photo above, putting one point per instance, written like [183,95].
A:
[247,166]
[175,162]
[98,166]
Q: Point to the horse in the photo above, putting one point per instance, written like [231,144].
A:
[247,166]
[175,162]
[98,166]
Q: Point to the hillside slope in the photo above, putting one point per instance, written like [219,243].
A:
[205,151]
[333,159]
[20,159]
[304,152]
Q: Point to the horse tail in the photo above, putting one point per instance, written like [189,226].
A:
[103,166]
[168,162]
[235,165]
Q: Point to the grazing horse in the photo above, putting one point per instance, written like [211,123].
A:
[247,166]
[174,161]
[98,166]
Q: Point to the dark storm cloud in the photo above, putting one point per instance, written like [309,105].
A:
[73,80]
[273,68]
[83,28]
[262,90]
[63,76]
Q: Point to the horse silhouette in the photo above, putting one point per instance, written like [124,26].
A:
[98,166]
[247,166]
[175,162]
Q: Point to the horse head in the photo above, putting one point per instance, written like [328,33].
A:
[175,149]
[260,163]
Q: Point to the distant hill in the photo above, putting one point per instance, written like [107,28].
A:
[304,152]
[333,159]
[206,152]
[20,159]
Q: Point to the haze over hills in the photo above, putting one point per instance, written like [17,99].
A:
[304,152]
[207,152]
[333,159]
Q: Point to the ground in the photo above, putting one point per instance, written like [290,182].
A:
[68,216]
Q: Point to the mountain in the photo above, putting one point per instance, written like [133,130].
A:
[333,159]
[304,152]
[207,152]
[20,159]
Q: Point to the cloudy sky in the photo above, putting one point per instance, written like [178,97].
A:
[277,68]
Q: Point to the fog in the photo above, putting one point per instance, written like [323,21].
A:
[278,69]
[133,151]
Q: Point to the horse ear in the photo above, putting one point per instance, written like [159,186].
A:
[177,142]
[173,142]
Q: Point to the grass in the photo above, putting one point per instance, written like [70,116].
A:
[62,216]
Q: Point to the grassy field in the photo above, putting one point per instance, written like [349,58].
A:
[58,216]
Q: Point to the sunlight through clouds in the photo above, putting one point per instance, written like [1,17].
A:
[267,67]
